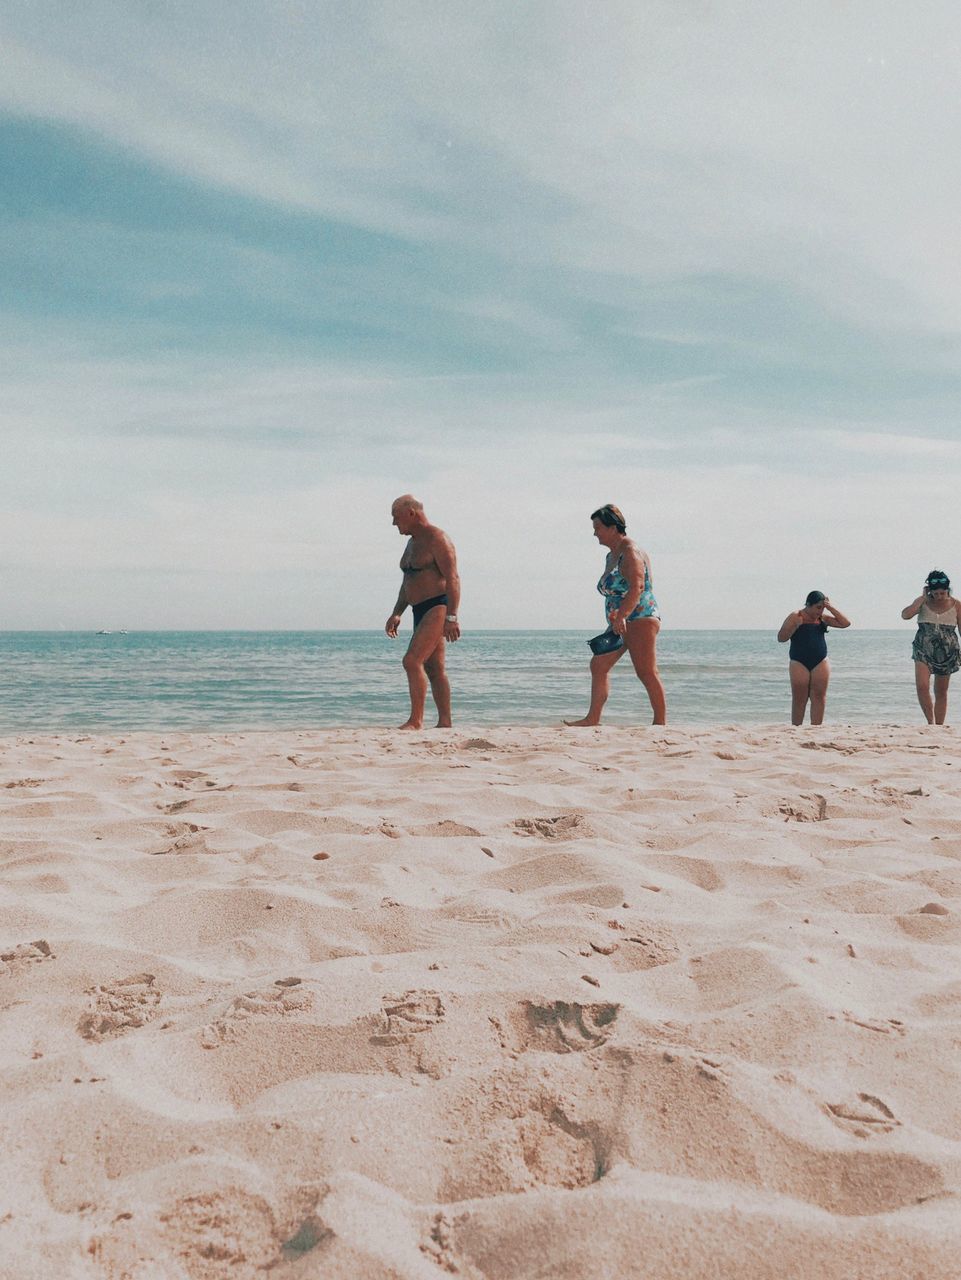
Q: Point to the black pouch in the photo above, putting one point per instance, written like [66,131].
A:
[607,642]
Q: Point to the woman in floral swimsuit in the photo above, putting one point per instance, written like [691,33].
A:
[935,650]
[631,612]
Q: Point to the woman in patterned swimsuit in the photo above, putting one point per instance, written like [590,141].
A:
[935,650]
[631,612]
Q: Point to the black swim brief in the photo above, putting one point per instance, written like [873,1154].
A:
[425,606]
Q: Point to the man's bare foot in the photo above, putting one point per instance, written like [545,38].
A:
[582,724]
[443,724]
[410,724]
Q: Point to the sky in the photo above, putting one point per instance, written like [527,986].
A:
[266,266]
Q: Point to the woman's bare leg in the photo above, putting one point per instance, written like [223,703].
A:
[800,690]
[940,698]
[642,643]
[601,665]
[819,690]
[922,682]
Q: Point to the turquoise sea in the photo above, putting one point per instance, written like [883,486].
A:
[310,679]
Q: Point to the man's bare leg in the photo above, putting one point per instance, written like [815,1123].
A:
[427,636]
[439,685]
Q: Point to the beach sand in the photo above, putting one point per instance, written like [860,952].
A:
[502,1003]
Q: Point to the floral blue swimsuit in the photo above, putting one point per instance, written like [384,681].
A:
[614,586]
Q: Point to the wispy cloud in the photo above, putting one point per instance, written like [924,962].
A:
[264,266]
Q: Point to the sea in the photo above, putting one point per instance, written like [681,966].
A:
[247,680]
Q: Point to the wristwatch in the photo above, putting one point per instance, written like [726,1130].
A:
[452,617]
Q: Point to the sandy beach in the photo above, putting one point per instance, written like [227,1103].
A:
[497,1004]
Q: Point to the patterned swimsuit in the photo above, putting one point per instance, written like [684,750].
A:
[936,641]
[614,587]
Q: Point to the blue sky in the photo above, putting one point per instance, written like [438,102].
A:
[265,266]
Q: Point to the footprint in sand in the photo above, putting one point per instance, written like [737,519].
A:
[120,1006]
[807,808]
[224,1228]
[185,837]
[864,1116]
[24,782]
[177,807]
[886,1028]
[566,826]
[559,1152]
[648,950]
[286,996]
[845,748]
[26,953]
[562,1027]
[447,827]
[438,1243]
[407,1015]
[529,1134]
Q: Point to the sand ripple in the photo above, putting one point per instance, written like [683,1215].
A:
[541,1003]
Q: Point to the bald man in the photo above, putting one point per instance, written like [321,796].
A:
[432,589]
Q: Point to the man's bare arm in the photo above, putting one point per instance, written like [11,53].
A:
[393,622]
[445,558]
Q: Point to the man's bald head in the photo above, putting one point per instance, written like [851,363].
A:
[407,514]
[406,502]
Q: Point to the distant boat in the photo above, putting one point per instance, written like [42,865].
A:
[104,633]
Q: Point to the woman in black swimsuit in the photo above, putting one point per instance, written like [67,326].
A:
[809,667]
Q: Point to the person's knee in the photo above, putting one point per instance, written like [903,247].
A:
[647,672]
[412,663]
[597,666]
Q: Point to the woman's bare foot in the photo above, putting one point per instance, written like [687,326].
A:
[582,724]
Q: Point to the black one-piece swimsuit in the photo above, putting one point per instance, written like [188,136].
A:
[808,645]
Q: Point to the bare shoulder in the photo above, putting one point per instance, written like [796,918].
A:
[437,536]
[635,552]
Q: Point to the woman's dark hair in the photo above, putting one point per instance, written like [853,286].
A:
[937,580]
[815,597]
[610,516]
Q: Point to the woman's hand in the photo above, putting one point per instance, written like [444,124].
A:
[790,625]
[619,622]
[911,610]
[833,616]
